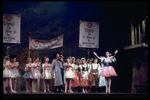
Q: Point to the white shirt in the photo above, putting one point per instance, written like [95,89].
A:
[95,66]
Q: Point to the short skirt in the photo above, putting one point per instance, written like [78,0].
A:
[69,75]
[15,74]
[7,73]
[47,75]
[108,72]
[37,74]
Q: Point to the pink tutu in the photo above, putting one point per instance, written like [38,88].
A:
[108,72]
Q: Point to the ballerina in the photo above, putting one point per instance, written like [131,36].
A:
[35,74]
[108,71]
[7,74]
[46,75]
[14,69]
[28,75]
[69,75]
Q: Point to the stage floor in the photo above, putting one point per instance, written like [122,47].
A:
[41,95]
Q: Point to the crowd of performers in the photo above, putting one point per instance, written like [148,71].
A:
[80,73]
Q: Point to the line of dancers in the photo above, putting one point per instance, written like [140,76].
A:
[80,73]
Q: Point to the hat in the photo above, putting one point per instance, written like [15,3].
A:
[90,60]
[83,58]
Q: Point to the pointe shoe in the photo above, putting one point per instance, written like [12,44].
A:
[13,91]
[70,91]
[48,91]
[109,91]
[5,91]
[27,90]
[44,91]
[106,90]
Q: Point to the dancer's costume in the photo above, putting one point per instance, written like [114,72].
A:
[75,81]
[7,73]
[84,76]
[47,72]
[36,71]
[108,70]
[94,72]
[15,71]
[101,82]
[69,74]
[28,74]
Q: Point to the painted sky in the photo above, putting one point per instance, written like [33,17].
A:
[46,20]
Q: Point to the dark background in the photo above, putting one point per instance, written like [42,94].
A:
[46,20]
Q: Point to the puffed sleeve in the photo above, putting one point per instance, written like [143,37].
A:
[113,59]
[102,58]
[80,67]
[17,64]
[26,66]
[75,67]
[43,65]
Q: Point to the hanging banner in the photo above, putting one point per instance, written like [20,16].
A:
[11,28]
[89,34]
[46,44]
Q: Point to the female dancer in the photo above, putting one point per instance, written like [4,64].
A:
[77,69]
[84,76]
[35,74]
[94,73]
[7,74]
[28,74]
[14,69]
[108,71]
[69,75]
[75,81]
[46,75]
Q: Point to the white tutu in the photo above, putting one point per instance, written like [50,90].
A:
[7,73]
[15,74]
[27,75]
[37,74]
[69,75]
[47,75]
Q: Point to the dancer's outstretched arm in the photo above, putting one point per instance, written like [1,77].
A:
[96,55]
[115,54]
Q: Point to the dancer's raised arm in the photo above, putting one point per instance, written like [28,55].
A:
[115,54]
[96,55]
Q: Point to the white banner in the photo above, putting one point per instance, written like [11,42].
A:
[89,34]
[46,44]
[11,28]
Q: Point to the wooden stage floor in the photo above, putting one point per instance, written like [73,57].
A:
[42,95]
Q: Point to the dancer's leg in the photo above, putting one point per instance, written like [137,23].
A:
[106,82]
[4,85]
[10,85]
[48,84]
[15,84]
[44,85]
[66,86]
[70,86]
[109,79]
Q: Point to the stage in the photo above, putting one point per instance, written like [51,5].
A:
[42,95]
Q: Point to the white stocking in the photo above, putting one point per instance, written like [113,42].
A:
[4,85]
[109,83]
[44,85]
[15,83]
[10,84]
[47,85]
[106,82]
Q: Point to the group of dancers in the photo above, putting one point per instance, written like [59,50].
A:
[80,73]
